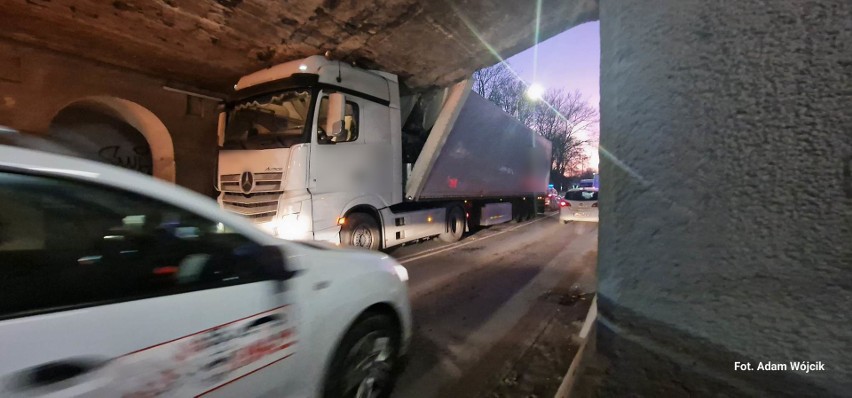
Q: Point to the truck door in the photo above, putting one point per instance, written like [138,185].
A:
[355,164]
[105,292]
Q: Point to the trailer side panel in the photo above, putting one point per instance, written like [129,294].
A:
[487,153]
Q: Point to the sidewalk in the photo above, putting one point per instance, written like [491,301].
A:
[541,370]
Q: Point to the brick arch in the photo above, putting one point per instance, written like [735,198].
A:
[143,120]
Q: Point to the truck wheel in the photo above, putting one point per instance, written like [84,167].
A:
[360,230]
[364,363]
[455,226]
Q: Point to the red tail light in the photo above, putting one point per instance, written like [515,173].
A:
[595,204]
[165,270]
[564,204]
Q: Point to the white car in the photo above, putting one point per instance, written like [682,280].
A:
[579,205]
[113,284]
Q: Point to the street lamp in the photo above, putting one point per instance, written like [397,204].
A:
[535,91]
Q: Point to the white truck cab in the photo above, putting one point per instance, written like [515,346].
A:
[316,149]
[114,284]
[296,187]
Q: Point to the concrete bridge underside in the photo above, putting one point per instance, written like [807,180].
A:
[211,43]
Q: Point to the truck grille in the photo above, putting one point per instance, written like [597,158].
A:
[259,205]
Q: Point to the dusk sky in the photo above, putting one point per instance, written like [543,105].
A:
[568,60]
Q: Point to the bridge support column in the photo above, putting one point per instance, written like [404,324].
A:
[726,141]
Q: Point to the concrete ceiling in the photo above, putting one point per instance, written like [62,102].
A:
[209,44]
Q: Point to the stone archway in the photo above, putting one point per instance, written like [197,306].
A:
[122,112]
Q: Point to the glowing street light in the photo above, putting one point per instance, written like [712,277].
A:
[535,91]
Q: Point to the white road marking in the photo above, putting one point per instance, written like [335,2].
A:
[438,250]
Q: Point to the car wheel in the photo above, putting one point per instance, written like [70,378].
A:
[360,230]
[455,225]
[364,363]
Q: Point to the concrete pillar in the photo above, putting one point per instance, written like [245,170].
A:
[726,140]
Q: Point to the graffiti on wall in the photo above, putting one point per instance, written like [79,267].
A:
[136,157]
[96,135]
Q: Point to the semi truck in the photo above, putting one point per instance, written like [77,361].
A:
[317,149]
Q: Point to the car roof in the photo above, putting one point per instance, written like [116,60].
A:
[31,141]
[42,163]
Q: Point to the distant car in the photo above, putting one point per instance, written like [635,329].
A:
[550,202]
[580,205]
[555,201]
[587,183]
[114,284]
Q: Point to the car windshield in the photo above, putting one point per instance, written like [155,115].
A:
[581,196]
[271,121]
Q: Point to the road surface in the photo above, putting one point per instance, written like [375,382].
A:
[482,303]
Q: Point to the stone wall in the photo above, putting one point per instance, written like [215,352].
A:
[35,85]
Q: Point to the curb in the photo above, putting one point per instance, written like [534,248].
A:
[570,378]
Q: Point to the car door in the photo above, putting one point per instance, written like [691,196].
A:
[109,293]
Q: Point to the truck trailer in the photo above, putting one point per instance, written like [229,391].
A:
[316,149]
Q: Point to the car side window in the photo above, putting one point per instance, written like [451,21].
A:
[350,122]
[66,244]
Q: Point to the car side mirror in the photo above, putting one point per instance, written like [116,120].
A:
[270,261]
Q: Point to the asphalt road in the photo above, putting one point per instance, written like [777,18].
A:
[479,303]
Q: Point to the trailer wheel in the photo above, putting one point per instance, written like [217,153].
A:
[455,225]
[531,209]
[519,211]
[360,230]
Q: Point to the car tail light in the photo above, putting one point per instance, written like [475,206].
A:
[565,204]
[595,204]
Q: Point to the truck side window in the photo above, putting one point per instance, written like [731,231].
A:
[66,244]
[350,123]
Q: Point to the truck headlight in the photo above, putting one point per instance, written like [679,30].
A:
[290,226]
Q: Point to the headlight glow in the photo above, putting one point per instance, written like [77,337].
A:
[288,227]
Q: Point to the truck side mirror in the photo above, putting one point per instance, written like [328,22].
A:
[336,112]
[323,138]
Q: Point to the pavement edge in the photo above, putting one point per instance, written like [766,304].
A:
[585,350]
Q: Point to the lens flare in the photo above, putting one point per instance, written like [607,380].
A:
[535,91]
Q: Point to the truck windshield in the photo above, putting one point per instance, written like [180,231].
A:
[271,121]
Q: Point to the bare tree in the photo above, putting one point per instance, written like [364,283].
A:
[563,117]
[485,80]
[499,85]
